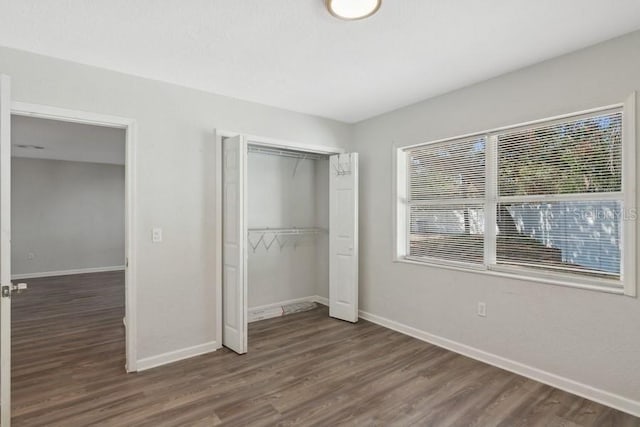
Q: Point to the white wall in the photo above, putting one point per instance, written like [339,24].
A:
[322,221]
[278,199]
[67,215]
[586,336]
[175,179]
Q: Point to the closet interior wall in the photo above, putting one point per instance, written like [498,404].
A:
[287,192]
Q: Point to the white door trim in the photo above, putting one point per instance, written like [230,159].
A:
[130,126]
[5,273]
[251,140]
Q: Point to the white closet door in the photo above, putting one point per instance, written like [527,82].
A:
[234,235]
[343,237]
[5,251]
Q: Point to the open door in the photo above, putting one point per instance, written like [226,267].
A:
[343,237]
[234,237]
[5,251]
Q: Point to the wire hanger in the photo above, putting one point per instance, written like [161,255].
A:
[281,236]
[295,168]
[267,246]
[255,246]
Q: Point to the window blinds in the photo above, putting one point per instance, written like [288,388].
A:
[576,156]
[451,170]
[557,197]
[560,201]
[446,189]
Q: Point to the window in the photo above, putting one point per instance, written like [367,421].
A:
[552,201]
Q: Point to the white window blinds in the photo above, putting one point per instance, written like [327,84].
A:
[446,190]
[560,200]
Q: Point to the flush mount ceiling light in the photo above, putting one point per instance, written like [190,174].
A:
[353,9]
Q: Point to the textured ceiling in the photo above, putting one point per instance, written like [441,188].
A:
[67,141]
[293,54]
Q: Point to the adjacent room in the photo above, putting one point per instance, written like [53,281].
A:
[67,246]
[320,212]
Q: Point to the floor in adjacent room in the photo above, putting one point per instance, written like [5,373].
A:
[303,369]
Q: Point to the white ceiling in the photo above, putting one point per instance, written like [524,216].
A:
[293,54]
[67,141]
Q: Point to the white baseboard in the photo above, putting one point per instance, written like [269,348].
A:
[601,396]
[321,300]
[177,355]
[66,272]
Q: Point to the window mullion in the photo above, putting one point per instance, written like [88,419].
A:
[491,198]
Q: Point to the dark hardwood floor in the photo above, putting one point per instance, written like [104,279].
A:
[305,369]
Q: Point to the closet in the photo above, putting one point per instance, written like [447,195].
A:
[289,232]
[288,224]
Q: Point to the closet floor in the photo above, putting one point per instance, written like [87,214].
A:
[302,369]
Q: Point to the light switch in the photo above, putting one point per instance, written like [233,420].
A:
[156,235]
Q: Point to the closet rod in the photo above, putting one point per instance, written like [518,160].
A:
[285,153]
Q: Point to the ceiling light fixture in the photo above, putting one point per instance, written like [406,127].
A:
[353,9]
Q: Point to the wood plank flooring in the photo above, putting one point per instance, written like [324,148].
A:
[304,369]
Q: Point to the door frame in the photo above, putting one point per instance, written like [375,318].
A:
[5,274]
[130,127]
[251,140]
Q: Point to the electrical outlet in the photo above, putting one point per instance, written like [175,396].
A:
[156,235]
[482,309]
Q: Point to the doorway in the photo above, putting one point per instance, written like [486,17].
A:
[18,110]
[68,245]
[126,159]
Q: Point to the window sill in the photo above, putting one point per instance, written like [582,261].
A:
[497,271]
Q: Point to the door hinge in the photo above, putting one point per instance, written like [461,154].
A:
[6,291]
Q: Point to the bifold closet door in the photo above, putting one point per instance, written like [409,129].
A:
[343,237]
[234,236]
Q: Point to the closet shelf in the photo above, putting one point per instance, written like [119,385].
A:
[288,231]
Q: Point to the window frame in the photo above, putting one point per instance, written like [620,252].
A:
[625,285]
